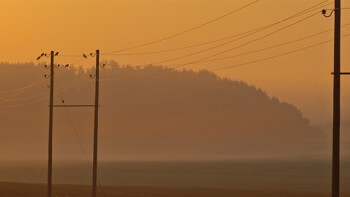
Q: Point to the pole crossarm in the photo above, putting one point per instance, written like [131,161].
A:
[73,106]
[342,73]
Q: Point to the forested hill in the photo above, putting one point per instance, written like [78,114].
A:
[149,113]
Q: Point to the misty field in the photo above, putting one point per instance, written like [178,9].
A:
[214,178]
[38,190]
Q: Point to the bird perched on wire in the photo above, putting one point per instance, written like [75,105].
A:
[40,56]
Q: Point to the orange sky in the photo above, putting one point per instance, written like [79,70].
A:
[72,27]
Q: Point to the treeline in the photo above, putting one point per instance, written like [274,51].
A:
[152,113]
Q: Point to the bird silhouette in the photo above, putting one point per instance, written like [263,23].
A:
[66,65]
[84,56]
[38,58]
[56,53]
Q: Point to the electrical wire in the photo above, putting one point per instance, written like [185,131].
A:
[10,97]
[75,131]
[250,62]
[13,90]
[72,123]
[24,104]
[250,52]
[275,56]
[19,91]
[186,31]
[271,47]
[179,48]
[12,78]
[308,10]
[70,55]
[42,94]
[76,62]
[316,7]
[244,44]
[38,100]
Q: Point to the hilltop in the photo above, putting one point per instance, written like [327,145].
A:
[155,113]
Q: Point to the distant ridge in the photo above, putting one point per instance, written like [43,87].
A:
[160,113]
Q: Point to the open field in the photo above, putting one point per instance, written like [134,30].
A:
[214,178]
[38,190]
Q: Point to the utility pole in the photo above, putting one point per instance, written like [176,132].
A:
[336,101]
[49,173]
[97,84]
[52,106]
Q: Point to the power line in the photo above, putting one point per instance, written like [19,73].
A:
[70,55]
[310,9]
[276,56]
[198,61]
[24,104]
[268,26]
[246,63]
[40,99]
[179,48]
[317,7]
[188,30]
[19,89]
[11,78]
[10,97]
[72,123]
[246,43]
[13,90]
[75,131]
[70,84]
[241,64]
[76,62]
[271,47]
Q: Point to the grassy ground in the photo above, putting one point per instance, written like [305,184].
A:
[39,190]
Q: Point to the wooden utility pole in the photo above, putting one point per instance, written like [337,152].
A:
[336,102]
[49,173]
[97,84]
[52,106]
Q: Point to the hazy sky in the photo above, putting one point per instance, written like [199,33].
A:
[73,27]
